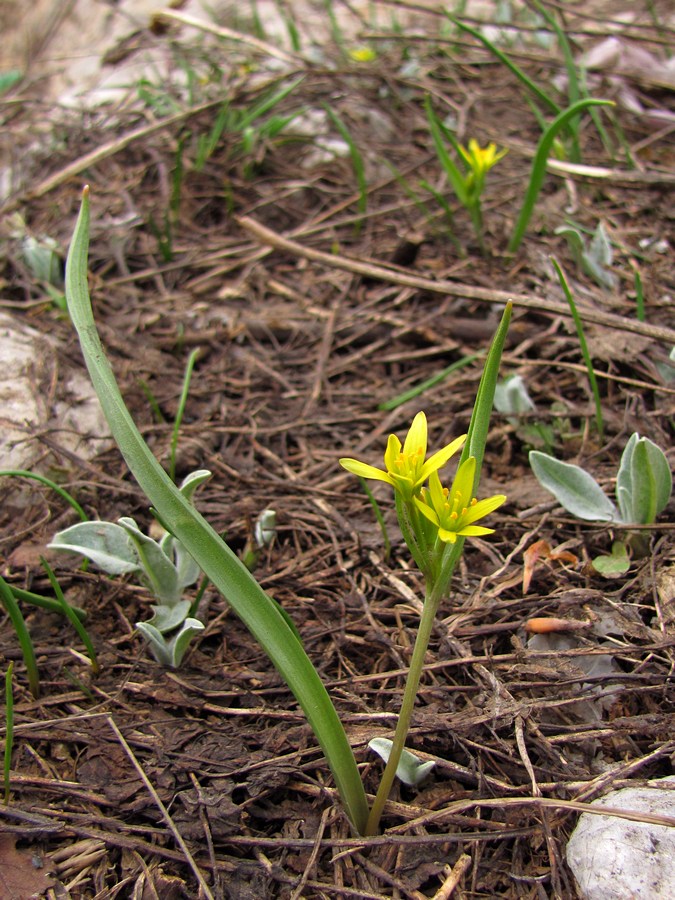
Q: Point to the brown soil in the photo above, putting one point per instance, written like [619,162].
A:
[296,355]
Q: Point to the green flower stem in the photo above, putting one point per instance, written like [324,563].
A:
[476,213]
[439,564]
[254,607]
[449,560]
[431,604]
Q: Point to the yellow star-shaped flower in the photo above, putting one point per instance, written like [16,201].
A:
[454,511]
[406,468]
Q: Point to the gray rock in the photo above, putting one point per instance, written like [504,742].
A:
[36,395]
[617,859]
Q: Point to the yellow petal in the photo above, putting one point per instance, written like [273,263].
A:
[426,511]
[416,438]
[483,508]
[437,460]
[363,470]
[475,531]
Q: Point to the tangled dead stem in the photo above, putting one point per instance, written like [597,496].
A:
[295,356]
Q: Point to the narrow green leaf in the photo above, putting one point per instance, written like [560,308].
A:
[510,65]
[538,171]
[423,386]
[455,176]
[192,359]
[70,500]
[44,602]
[71,614]
[579,325]
[225,570]
[25,642]
[479,425]
[9,728]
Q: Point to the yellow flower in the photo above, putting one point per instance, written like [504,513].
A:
[406,469]
[454,511]
[481,159]
[363,54]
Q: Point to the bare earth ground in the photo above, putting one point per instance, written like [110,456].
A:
[296,354]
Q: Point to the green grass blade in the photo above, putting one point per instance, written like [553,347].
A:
[25,642]
[357,163]
[181,411]
[71,615]
[423,386]
[379,518]
[210,552]
[574,88]
[9,728]
[44,602]
[593,381]
[455,176]
[639,297]
[266,104]
[516,70]
[70,500]
[152,401]
[206,144]
[539,166]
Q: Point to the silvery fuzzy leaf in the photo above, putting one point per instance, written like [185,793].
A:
[410,770]
[159,572]
[106,544]
[573,487]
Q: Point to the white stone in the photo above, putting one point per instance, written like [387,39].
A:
[616,859]
[35,396]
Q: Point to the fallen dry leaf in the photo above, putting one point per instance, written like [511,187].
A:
[542,550]
[549,624]
[23,873]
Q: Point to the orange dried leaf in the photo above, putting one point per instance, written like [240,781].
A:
[549,624]
[542,550]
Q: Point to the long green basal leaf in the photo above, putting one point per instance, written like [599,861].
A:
[261,616]
[479,425]
[539,162]
[477,433]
